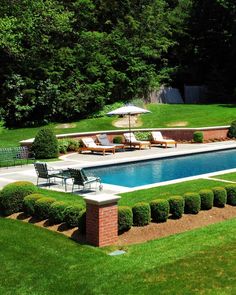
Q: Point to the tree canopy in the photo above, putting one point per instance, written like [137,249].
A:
[66,59]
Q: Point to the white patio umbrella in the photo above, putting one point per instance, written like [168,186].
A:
[128,110]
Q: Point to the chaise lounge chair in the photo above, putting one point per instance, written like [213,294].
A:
[157,138]
[81,179]
[90,145]
[103,139]
[132,141]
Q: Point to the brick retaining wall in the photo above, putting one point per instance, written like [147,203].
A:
[209,133]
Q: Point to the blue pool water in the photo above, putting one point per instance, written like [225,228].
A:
[158,170]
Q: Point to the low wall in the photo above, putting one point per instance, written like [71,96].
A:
[209,133]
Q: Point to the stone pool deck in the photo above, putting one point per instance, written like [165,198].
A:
[75,160]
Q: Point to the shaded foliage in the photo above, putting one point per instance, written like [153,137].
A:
[62,60]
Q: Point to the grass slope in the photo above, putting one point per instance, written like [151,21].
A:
[164,192]
[161,116]
[68,198]
[227,176]
[35,261]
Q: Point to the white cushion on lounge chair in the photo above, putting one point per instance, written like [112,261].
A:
[130,137]
[103,139]
[89,143]
[157,136]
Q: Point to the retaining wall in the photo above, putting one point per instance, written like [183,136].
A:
[209,133]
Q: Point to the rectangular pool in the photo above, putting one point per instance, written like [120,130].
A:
[159,170]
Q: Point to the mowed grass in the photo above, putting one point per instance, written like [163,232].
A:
[164,192]
[35,261]
[227,176]
[162,115]
[68,198]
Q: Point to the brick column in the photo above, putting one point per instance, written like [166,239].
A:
[101,219]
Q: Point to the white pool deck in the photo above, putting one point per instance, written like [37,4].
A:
[75,160]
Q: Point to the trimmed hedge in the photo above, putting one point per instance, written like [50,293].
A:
[192,203]
[160,210]
[232,129]
[57,212]
[125,218]
[42,207]
[231,194]
[29,203]
[198,136]
[207,199]
[12,196]
[73,215]
[220,196]
[117,139]
[141,214]
[176,206]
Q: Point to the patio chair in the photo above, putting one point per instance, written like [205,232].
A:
[43,171]
[104,140]
[157,138]
[81,179]
[90,145]
[131,140]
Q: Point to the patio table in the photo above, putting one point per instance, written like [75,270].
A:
[64,175]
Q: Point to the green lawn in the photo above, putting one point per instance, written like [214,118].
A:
[161,116]
[164,192]
[35,261]
[147,195]
[69,198]
[228,176]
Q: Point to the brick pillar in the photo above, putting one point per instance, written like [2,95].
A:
[101,219]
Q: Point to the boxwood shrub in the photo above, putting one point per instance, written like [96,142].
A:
[231,194]
[29,203]
[176,206]
[73,215]
[42,207]
[198,136]
[12,196]
[141,214]
[232,129]
[125,218]
[192,203]
[220,196]
[117,139]
[160,210]
[207,198]
[57,212]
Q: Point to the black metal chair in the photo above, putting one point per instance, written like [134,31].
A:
[44,172]
[81,179]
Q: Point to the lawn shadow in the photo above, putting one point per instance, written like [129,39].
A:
[230,106]
[78,237]
[22,216]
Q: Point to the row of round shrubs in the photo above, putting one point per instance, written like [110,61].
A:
[190,203]
[23,196]
[42,207]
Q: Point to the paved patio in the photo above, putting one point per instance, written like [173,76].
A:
[75,160]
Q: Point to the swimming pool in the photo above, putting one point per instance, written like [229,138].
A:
[159,170]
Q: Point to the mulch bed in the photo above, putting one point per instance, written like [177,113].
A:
[171,227]
[145,233]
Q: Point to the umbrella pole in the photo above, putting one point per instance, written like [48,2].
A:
[129,133]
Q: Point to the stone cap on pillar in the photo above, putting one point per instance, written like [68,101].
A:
[102,199]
